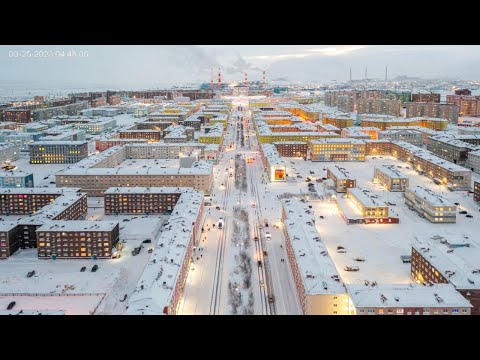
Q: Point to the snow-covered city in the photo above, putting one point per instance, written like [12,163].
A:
[242,195]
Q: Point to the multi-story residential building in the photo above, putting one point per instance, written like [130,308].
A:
[161,285]
[292,148]
[104,144]
[154,125]
[476,191]
[346,103]
[353,132]
[275,165]
[389,177]
[439,170]
[451,149]
[319,288]
[9,242]
[329,128]
[102,111]
[49,112]
[95,127]
[467,92]
[407,299]
[432,110]
[473,161]
[430,205]
[150,135]
[370,207]
[95,181]
[410,136]
[194,123]
[377,147]
[16,179]
[213,134]
[338,120]
[426,97]
[337,150]
[77,239]
[141,200]
[178,134]
[342,180]
[58,152]
[468,105]
[301,111]
[379,106]
[446,259]
[425,132]
[9,151]
[22,116]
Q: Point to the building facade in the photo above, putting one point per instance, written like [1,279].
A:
[426,97]
[430,205]
[467,105]
[337,150]
[58,152]
[292,148]
[379,106]
[341,178]
[433,110]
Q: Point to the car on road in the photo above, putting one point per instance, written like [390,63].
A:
[321,217]
[259,263]
[271,299]
[11,305]
[255,238]
[267,235]
[262,283]
[458,204]
[147,241]
[359,259]
[83,269]
[150,250]
[95,268]
[351,268]
[124,220]
[217,207]
[341,250]
[30,273]
[299,176]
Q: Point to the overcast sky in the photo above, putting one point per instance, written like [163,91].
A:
[153,66]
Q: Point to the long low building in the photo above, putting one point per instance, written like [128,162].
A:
[370,206]
[448,259]
[150,135]
[104,144]
[337,150]
[319,288]
[389,177]
[292,148]
[16,179]
[95,181]
[58,152]
[473,161]
[430,205]
[142,200]
[439,170]
[410,136]
[451,148]
[341,178]
[275,165]
[9,151]
[407,299]
[161,284]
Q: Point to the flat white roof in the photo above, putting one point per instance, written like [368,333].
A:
[315,264]
[147,190]
[272,155]
[363,196]
[54,143]
[430,197]
[391,171]
[161,273]
[406,296]
[78,225]
[340,172]
[338,141]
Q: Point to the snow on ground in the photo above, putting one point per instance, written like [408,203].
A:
[380,245]
[155,163]
[71,305]
[43,174]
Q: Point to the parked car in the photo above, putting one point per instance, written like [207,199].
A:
[83,269]
[147,241]
[95,268]
[150,250]
[255,238]
[321,217]
[271,299]
[351,268]
[218,207]
[341,250]
[463,212]
[267,235]
[124,220]
[11,305]
[359,259]
[262,283]
[30,273]
[469,216]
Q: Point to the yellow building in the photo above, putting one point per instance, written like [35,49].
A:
[340,121]
[368,206]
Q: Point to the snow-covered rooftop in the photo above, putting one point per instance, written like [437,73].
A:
[147,190]
[78,225]
[53,143]
[340,172]
[157,283]
[338,141]
[391,171]
[406,296]
[430,197]
[272,155]
[318,272]
[457,260]
[364,197]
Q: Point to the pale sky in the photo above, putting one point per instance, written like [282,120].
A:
[161,65]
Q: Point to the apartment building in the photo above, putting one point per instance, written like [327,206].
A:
[319,288]
[451,149]
[9,151]
[77,239]
[468,105]
[448,259]
[16,179]
[95,127]
[104,144]
[346,103]
[149,135]
[430,205]
[473,161]
[329,128]
[21,116]
[368,204]
[439,170]
[426,97]
[141,200]
[379,106]
[377,147]
[291,148]
[178,134]
[58,152]
[9,242]
[409,136]
[433,110]
[275,165]
[161,285]
[342,179]
[213,134]
[338,120]
[407,299]
[337,150]
[154,125]
[476,191]
[362,133]
[389,177]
